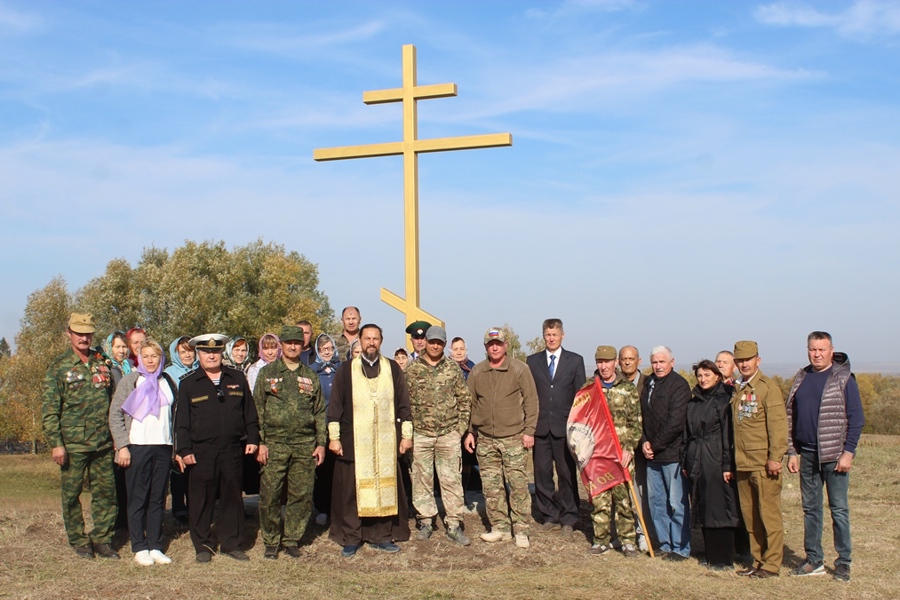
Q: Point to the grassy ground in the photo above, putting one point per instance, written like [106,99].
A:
[36,562]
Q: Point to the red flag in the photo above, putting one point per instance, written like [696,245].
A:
[592,439]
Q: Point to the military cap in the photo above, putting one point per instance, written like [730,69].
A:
[605,353]
[417,329]
[436,332]
[291,333]
[745,349]
[210,342]
[82,323]
[494,333]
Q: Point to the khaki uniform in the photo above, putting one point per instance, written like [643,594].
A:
[760,435]
[504,408]
[441,404]
[291,409]
[625,408]
[75,415]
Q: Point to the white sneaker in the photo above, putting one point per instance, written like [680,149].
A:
[321,519]
[160,558]
[642,542]
[522,541]
[142,558]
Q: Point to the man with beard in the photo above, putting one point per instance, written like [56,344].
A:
[368,412]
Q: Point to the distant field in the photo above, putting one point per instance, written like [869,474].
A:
[36,562]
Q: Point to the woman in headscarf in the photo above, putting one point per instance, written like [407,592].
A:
[269,351]
[325,366]
[134,337]
[237,354]
[709,464]
[140,420]
[184,360]
[116,349]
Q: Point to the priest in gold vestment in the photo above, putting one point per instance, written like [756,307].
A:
[369,427]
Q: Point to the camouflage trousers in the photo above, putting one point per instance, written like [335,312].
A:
[96,469]
[292,465]
[616,501]
[444,455]
[501,462]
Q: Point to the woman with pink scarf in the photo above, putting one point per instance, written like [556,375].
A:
[140,420]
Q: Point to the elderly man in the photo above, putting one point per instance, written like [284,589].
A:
[558,375]
[441,404]
[664,404]
[760,442]
[825,420]
[630,366]
[504,417]
[725,363]
[291,408]
[76,393]
[215,426]
[367,415]
[350,320]
[625,408]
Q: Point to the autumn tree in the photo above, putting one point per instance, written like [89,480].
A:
[40,340]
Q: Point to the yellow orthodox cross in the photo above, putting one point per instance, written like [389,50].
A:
[410,148]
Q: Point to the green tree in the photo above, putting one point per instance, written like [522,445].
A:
[5,351]
[204,287]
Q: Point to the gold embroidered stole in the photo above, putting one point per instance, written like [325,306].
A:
[374,440]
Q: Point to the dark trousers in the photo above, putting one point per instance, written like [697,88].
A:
[322,488]
[179,487]
[550,451]
[719,546]
[146,480]
[347,527]
[217,470]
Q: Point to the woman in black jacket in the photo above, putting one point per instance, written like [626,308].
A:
[709,464]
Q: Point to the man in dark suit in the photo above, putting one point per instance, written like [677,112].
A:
[558,375]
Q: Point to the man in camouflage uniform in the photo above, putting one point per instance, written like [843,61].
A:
[75,415]
[291,409]
[625,407]
[504,418]
[441,404]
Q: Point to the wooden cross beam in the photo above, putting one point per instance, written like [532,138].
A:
[410,148]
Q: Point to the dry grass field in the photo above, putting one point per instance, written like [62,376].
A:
[36,562]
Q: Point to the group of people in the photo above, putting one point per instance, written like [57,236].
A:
[331,423]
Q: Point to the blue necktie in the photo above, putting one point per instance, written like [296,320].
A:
[552,366]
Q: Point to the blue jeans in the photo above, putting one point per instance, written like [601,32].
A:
[812,477]
[668,495]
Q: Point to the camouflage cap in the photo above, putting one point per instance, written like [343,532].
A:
[436,332]
[494,334]
[745,349]
[605,353]
[417,329]
[210,342]
[291,333]
[82,323]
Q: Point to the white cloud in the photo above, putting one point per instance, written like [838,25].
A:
[18,21]
[863,20]
[572,8]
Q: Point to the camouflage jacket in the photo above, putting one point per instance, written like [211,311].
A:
[75,402]
[439,398]
[290,404]
[625,408]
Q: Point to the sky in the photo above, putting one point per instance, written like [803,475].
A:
[685,174]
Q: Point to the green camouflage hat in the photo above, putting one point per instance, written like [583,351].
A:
[291,333]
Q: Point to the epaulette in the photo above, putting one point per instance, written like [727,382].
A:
[186,375]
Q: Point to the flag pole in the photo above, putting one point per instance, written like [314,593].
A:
[637,507]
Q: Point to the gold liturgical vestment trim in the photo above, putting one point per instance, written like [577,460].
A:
[374,440]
